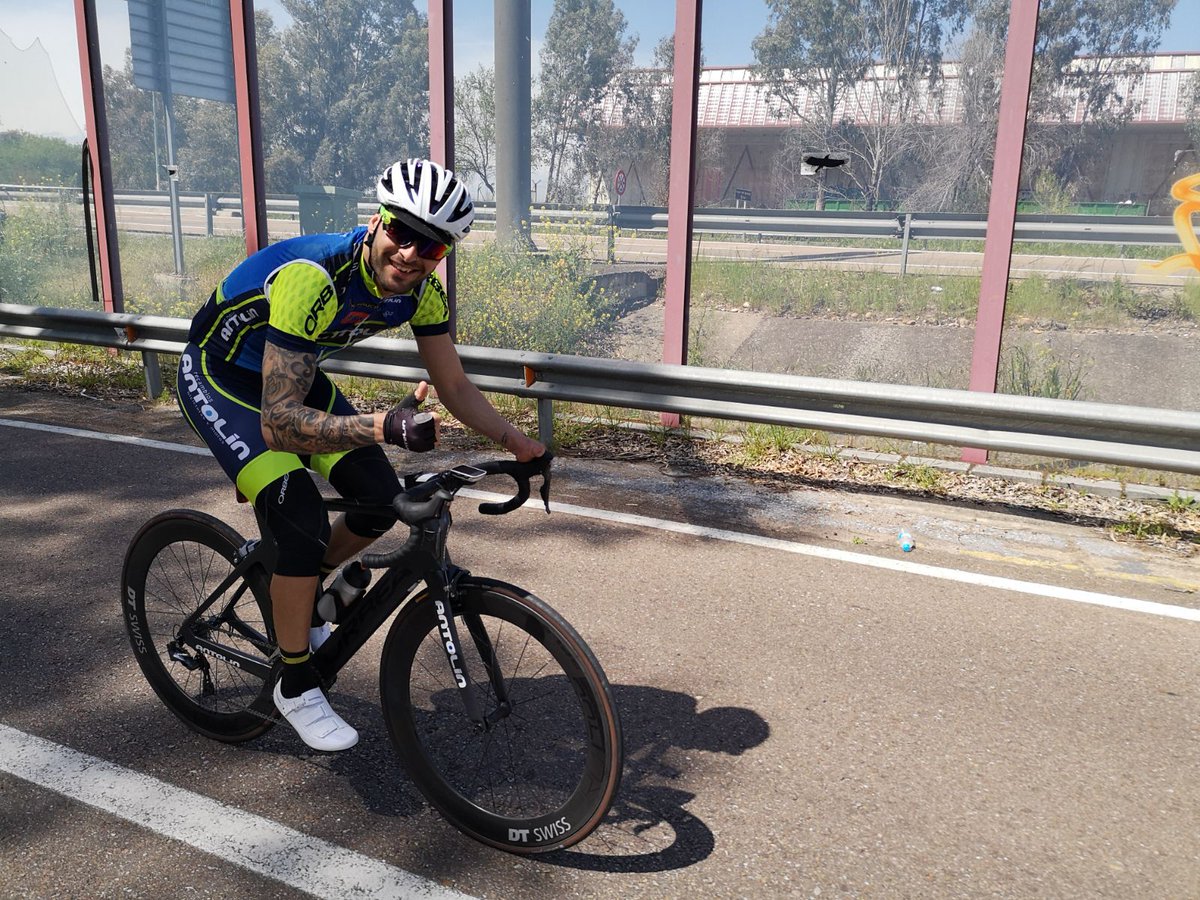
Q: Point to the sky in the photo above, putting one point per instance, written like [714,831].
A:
[727,29]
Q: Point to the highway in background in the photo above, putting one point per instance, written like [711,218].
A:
[653,250]
[149,215]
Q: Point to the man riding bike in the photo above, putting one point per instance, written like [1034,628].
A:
[250,385]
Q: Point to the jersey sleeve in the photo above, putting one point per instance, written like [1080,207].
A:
[303,304]
[433,309]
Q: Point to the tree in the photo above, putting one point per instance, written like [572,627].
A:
[475,126]
[205,137]
[348,90]
[206,145]
[1191,96]
[638,129]
[1088,57]
[853,73]
[279,100]
[133,129]
[585,48]
[33,159]
[956,160]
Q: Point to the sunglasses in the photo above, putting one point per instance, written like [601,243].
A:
[404,236]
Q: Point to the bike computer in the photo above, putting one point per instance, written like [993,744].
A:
[469,474]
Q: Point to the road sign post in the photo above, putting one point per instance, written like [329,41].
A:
[181,47]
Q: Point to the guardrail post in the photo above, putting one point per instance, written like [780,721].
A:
[612,234]
[210,203]
[545,408]
[154,385]
[906,226]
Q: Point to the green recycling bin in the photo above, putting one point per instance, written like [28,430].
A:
[324,208]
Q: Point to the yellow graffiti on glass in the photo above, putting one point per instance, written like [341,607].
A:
[1187,192]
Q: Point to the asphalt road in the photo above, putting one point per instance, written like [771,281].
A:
[800,719]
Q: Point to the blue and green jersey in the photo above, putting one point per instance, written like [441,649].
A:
[310,294]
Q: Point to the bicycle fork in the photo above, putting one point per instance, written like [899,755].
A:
[444,592]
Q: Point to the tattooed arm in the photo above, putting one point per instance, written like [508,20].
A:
[289,425]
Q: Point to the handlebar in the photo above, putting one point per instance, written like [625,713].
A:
[520,472]
[424,496]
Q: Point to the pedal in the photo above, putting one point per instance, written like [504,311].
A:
[245,550]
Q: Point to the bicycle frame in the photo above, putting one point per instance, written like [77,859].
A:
[422,560]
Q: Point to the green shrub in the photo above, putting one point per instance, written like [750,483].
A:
[43,256]
[33,159]
[524,301]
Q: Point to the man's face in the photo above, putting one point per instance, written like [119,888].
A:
[397,269]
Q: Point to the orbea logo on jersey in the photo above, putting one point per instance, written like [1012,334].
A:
[310,321]
[197,396]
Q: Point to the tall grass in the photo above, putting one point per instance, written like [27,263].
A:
[786,291]
[148,272]
[43,256]
[44,262]
[783,291]
[1040,372]
[541,301]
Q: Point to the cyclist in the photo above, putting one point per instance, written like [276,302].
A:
[251,386]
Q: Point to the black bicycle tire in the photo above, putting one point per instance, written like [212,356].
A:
[176,527]
[596,790]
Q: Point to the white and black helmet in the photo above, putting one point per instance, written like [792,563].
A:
[430,194]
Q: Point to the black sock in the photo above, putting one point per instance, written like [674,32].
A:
[299,674]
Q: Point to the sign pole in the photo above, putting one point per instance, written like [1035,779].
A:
[164,86]
[173,178]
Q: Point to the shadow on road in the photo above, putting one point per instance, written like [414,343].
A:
[669,746]
[648,828]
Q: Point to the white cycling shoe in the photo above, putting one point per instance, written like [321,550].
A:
[315,721]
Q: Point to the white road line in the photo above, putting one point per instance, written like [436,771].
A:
[102,436]
[241,838]
[859,559]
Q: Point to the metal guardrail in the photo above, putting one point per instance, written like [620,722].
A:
[1070,429]
[757,222]
[925,226]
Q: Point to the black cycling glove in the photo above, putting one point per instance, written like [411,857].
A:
[407,428]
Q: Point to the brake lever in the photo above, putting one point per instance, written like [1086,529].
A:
[544,490]
[520,473]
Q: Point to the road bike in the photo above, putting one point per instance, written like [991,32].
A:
[499,711]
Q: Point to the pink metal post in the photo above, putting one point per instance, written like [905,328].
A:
[1002,209]
[245,81]
[441,115]
[97,131]
[681,189]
